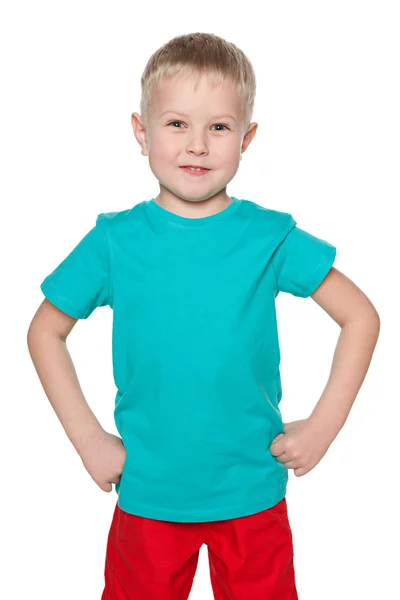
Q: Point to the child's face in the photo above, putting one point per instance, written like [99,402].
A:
[211,134]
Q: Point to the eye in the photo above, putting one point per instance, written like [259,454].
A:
[220,125]
[172,122]
[217,125]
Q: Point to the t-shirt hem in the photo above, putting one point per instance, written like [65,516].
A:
[322,271]
[232,512]
[59,301]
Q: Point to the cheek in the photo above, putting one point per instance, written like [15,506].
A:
[228,149]
[232,156]
[164,147]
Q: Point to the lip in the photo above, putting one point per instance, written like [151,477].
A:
[194,167]
[192,173]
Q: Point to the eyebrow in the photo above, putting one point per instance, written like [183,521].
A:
[175,112]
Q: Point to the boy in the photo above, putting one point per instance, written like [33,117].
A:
[192,276]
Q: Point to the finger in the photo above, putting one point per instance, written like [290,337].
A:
[282,457]
[277,446]
[301,471]
[291,464]
[276,452]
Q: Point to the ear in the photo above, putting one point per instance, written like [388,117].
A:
[139,131]
[249,135]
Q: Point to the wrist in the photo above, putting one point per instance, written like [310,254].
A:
[324,425]
[87,436]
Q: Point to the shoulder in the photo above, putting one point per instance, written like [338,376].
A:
[268,221]
[117,221]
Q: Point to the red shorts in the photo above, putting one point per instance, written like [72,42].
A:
[250,558]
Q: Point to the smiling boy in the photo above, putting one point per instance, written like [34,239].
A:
[192,276]
[188,106]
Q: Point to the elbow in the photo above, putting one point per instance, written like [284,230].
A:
[32,336]
[366,320]
[369,315]
[377,322]
[370,321]
[373,316]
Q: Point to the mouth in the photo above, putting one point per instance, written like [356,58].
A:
[192,170]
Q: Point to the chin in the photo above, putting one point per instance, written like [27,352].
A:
[191,197]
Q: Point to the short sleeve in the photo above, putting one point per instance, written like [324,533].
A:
[301,261]
[80,283]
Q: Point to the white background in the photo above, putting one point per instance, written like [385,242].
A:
[326,150]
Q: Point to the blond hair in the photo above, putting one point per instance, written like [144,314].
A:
[197,54]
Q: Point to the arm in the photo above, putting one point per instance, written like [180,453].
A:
[344,302]
[47,346]
[103,454]
[305,442]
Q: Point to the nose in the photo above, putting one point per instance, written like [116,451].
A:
[197,144]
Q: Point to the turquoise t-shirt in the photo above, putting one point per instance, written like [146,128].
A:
[195,348]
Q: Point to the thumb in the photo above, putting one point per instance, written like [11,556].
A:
[106,487]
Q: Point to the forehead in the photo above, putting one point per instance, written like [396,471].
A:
[194,96]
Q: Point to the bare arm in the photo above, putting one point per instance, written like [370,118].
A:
[47,346]
[352,310]
[305,442]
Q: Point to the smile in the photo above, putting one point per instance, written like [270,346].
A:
[194,171]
